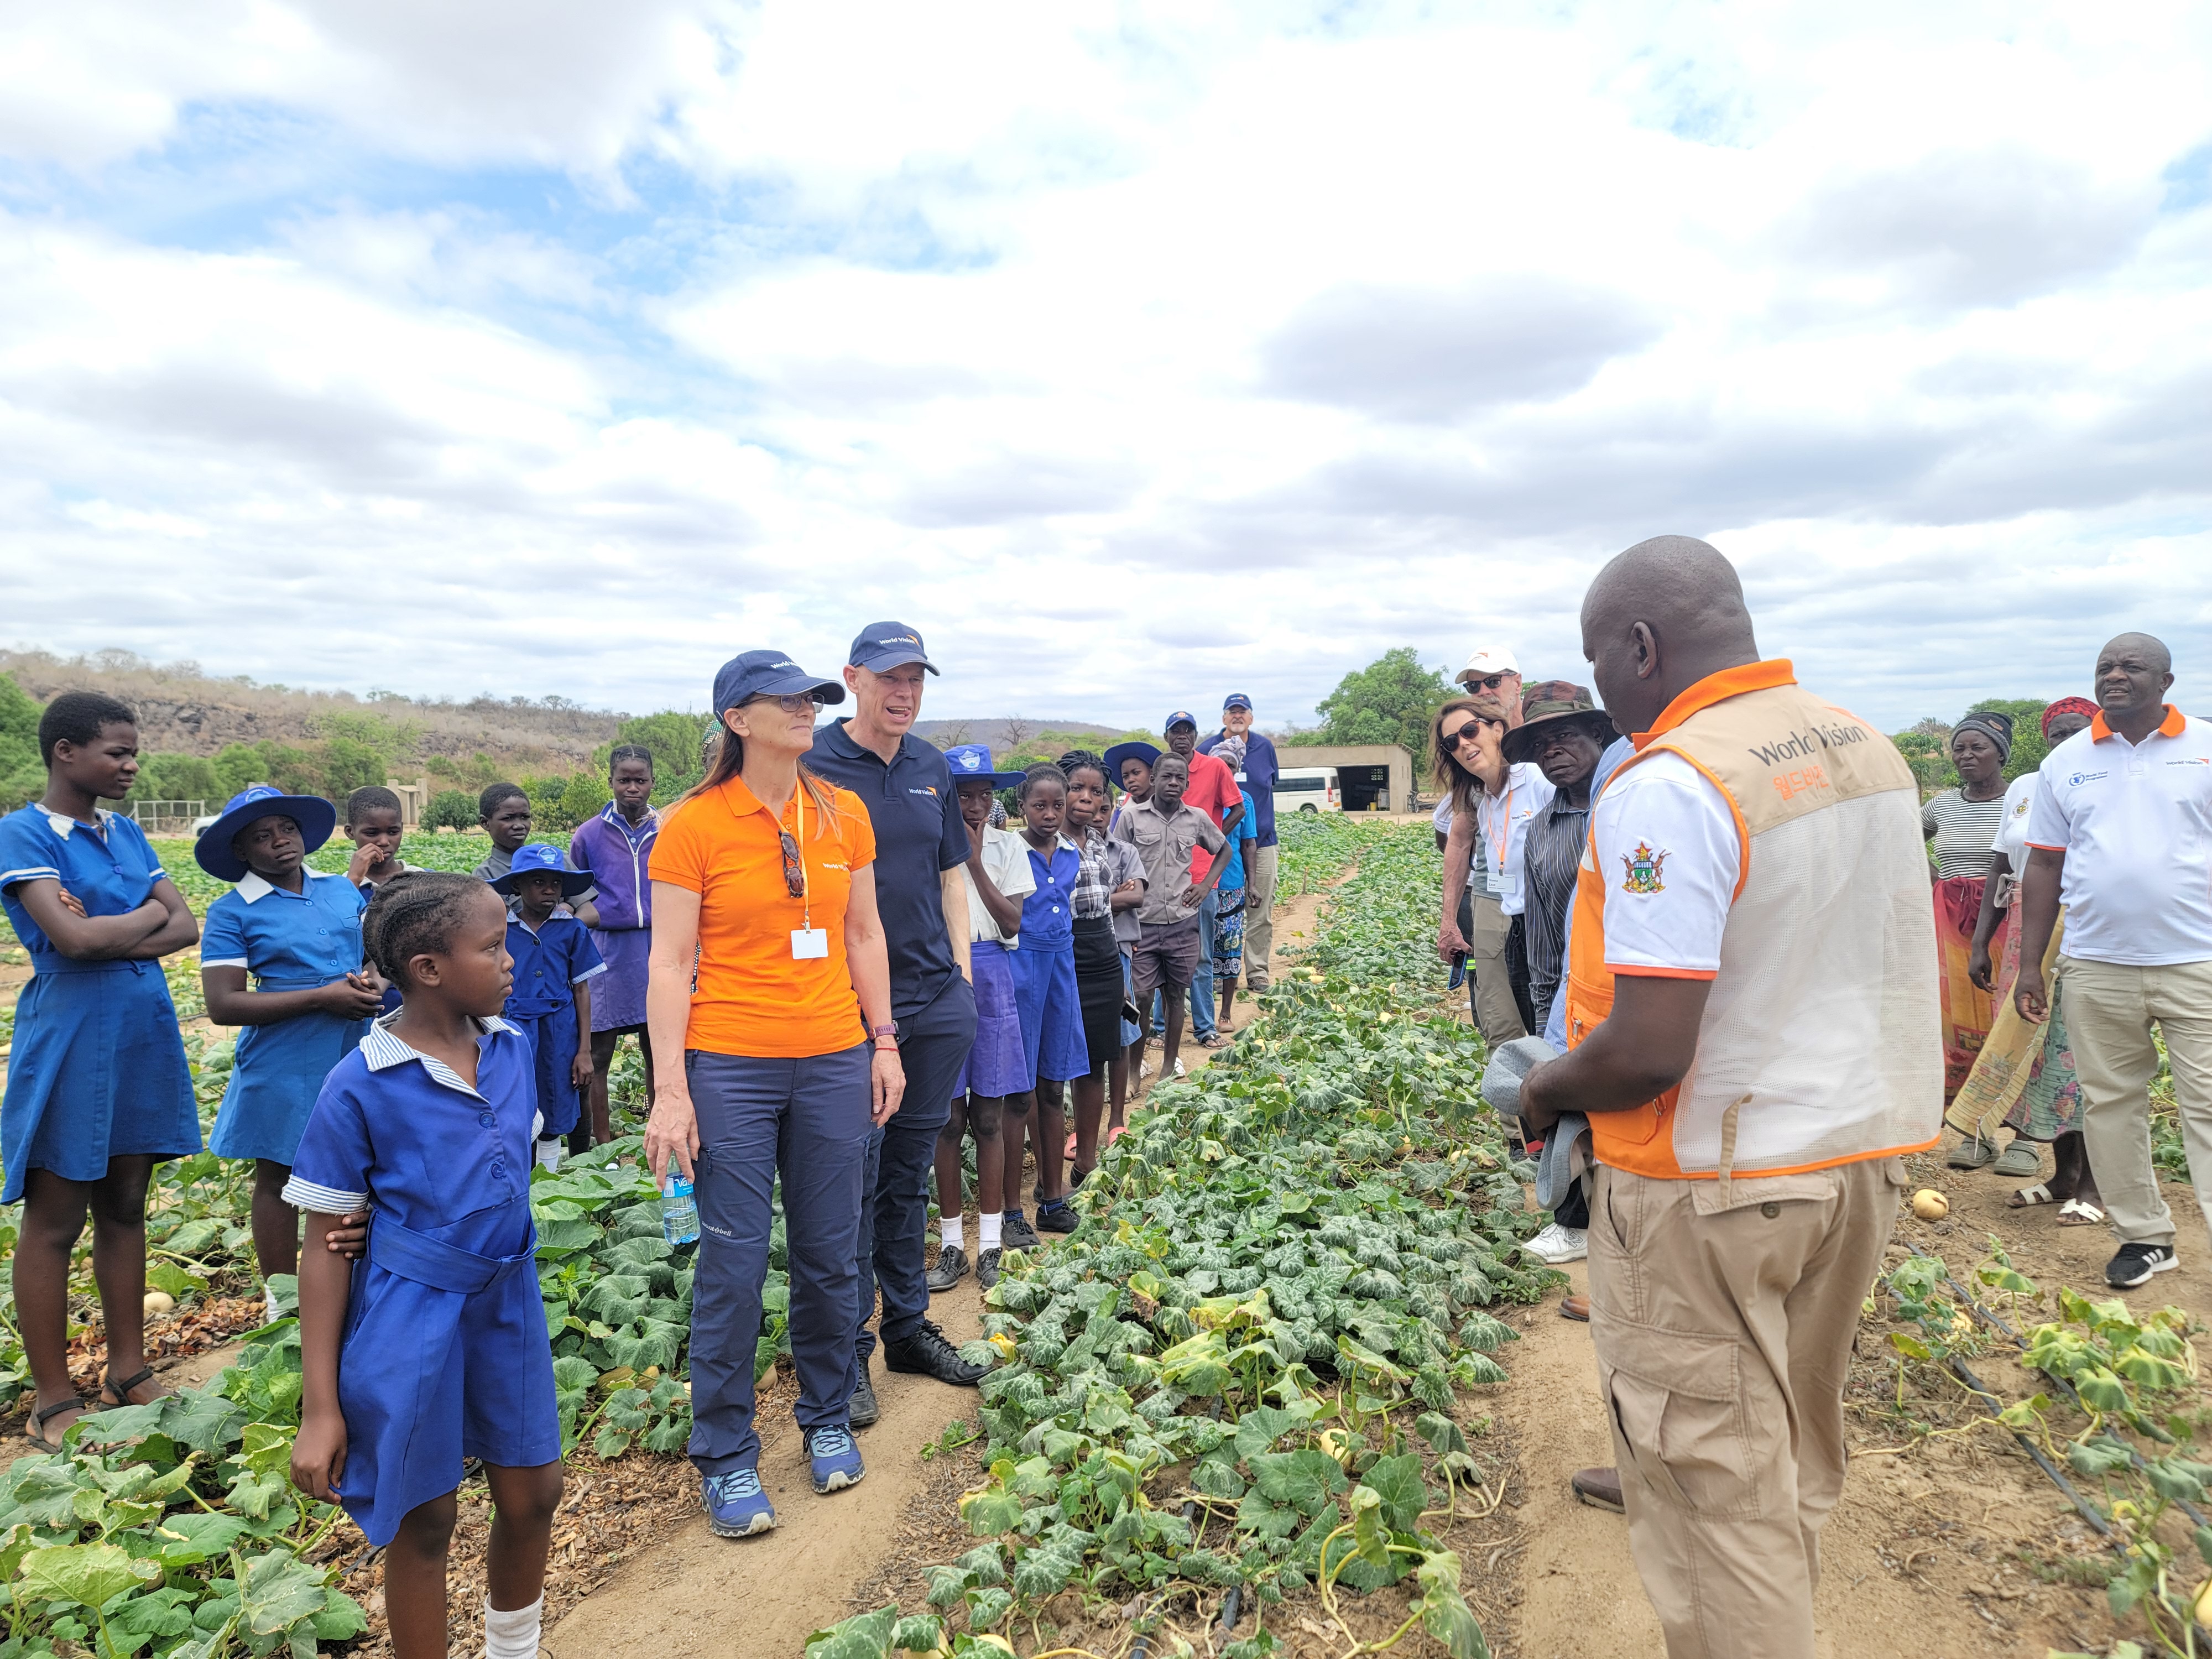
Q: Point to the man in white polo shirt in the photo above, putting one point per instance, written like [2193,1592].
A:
[2121,835]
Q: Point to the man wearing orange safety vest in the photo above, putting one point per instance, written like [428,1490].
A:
[1751,1030]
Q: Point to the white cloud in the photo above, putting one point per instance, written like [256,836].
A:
[1130,351]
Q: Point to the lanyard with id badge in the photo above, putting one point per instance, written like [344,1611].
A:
[808,942]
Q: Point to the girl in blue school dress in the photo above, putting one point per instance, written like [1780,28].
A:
[99,1091]
[281,957]
[1046,995]
[554,963]
[432,1349]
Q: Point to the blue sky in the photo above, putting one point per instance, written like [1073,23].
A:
[1129,351]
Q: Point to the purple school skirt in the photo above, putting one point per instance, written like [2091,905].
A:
[619,994]
[996,1066]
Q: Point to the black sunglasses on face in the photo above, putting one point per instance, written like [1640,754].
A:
[1488,682]
[1463,734]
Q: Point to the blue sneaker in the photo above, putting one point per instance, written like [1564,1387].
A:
[835,1459]
[736,1505]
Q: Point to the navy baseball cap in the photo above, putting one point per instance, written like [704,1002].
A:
[1236,700]
[888,645]
[1180,717]
[768,674]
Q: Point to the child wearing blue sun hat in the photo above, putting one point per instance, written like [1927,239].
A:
[281,957]
[554,963]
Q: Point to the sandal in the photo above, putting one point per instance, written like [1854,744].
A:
[35,1430]
[1972,1153]
[122,1390]
[2080,1212]
[2028,1197]
[2022,1157]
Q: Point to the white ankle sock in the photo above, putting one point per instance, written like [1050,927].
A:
[987,1233]
[950,1233]
[513,1635]
[550,1151]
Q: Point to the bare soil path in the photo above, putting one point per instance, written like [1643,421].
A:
[693,1594]
[1953,1547]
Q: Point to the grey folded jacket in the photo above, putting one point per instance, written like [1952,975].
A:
[1566,1152]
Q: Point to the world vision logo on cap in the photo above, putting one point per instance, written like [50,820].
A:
[793,666]
[1643,867]
[901,639]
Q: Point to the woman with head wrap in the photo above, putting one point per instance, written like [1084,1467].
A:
[1961,824]
[2024,1076]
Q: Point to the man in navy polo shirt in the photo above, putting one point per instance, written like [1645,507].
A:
[922,847]
[1258,775]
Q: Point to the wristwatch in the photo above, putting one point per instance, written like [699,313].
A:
[879,1032]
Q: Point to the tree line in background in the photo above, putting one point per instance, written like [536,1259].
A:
[1392,700]
[351,749]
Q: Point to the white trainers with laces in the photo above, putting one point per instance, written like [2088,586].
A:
[1556,1245]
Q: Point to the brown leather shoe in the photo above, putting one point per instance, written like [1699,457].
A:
[1575,1308]
[1599,1488]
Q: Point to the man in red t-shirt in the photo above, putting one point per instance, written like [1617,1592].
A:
[1214,792]
[1212,789]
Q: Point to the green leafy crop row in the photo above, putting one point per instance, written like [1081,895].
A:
[1277,1293]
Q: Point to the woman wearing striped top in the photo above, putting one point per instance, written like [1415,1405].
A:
[1962,823]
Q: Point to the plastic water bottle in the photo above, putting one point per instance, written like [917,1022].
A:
[679,1215]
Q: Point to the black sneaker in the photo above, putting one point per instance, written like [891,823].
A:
[865,1410]
[2135,1263]
[986,1269]
[926,1353]
[1058,1217]
[1017,1234]
[951,1268]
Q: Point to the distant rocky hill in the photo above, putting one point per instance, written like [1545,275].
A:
[183,710]
[1002,735]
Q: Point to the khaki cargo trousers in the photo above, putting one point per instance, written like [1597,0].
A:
[1722,1314]
[2109,1010]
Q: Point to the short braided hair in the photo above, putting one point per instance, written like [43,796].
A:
[621,752]
[1082,760]
[416,913]
[1043,772]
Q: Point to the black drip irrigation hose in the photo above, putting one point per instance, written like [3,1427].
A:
[2064,1385]
[2090,1512]
[1144,1642]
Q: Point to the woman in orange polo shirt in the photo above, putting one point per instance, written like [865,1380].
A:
[769,976]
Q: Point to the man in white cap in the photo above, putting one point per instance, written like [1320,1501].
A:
[1493,668]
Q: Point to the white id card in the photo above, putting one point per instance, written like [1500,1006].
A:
[809,943]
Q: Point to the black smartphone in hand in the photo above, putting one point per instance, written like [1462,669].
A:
[1459,970]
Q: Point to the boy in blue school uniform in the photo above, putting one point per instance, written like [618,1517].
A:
[434,1349]
[281,957]
[554,963]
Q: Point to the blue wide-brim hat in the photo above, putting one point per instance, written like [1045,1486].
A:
[971,763]
[1134,750]
[535,858]
[316,817]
